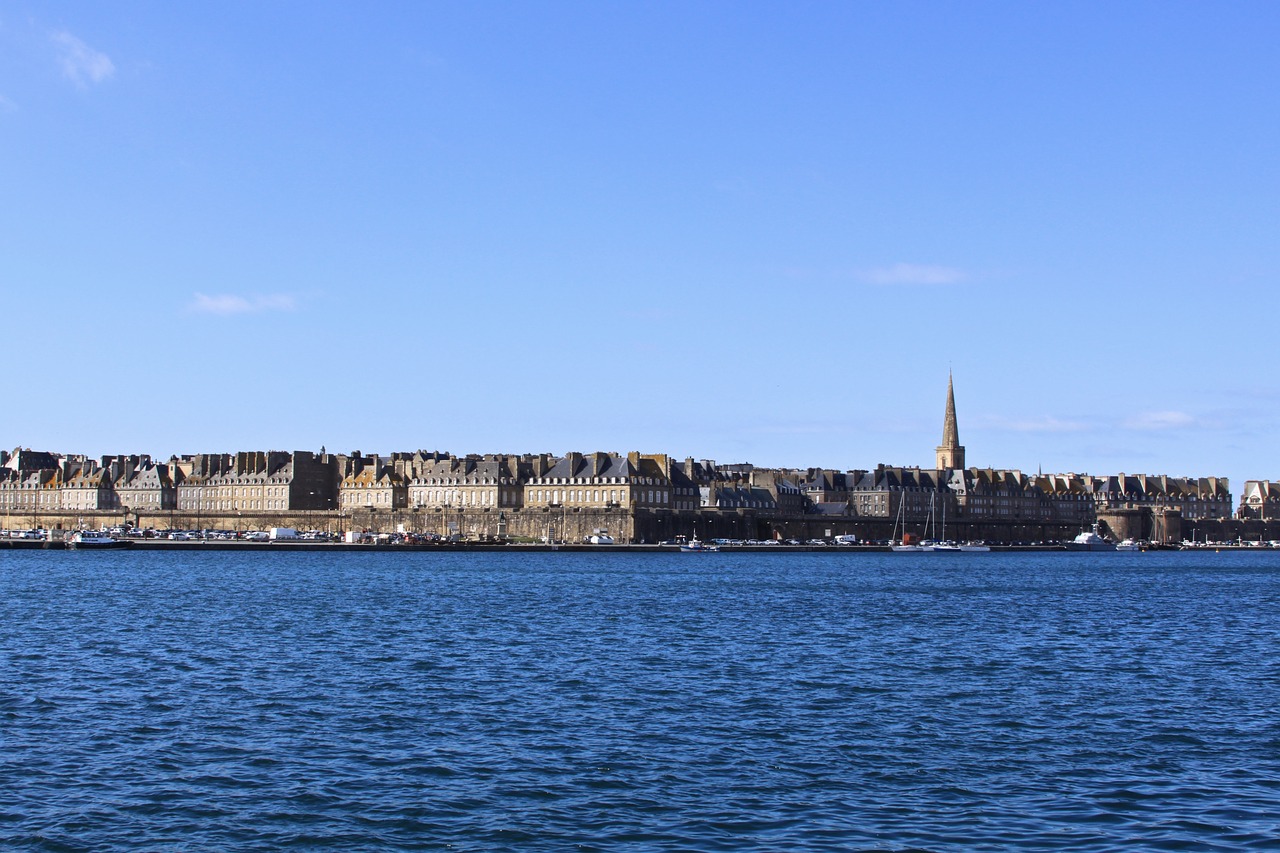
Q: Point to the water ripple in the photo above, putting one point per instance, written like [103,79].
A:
[709,702]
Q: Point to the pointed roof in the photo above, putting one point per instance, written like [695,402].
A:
[950,431]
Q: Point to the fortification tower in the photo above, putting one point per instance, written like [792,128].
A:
[950,452]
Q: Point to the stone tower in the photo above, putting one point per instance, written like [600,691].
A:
[950,452]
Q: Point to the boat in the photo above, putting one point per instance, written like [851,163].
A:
[93,539]
[943,545]
[975,547]
[1129,545]
[930,525]
[1091,540]
[901,546]
[698,545]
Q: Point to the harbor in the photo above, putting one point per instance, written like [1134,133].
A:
[188,543]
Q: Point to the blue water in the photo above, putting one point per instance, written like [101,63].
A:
[674,702]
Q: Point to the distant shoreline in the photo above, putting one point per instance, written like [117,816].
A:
[467,547]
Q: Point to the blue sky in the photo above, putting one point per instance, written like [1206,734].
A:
[740,231]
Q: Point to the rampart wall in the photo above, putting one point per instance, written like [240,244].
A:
[575,525]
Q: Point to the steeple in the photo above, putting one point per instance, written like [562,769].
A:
[950,452]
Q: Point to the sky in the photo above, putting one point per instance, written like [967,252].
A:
[739,231]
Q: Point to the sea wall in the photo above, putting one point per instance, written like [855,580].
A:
[565,524]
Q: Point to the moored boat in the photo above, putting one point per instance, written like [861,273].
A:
[1090,540]
[93,539]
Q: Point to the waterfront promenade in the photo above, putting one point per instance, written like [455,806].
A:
[282,547]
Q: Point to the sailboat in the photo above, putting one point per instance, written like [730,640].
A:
[900,545]
[942,544]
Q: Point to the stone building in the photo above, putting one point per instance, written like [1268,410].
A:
[256,481]
[742,497]
[371,485]
[87,486]
[602,480]
[29,482]
[789,496]
[1260,500]
[30,492]
[142,485]
[822,486]
[1194,498]
[685,494]
[893,492]
[438,481]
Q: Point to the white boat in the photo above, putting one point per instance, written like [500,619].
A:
[903,546]
[932,546]
[1091,540]
[85,539]
[1128,545]
[975,547]
[698,545]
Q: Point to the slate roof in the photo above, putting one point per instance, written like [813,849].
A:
[609,465]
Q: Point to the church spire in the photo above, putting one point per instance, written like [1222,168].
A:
[950,432]
[950,452]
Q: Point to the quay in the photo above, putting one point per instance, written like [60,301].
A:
[302,547]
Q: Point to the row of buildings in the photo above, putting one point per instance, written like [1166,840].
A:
[359,487]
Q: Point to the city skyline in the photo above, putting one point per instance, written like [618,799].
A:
[749,233]
[949,455]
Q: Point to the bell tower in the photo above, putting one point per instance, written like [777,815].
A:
[950,452]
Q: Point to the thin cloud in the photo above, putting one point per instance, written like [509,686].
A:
[1155,421]
[7,106]
[82,64]
[230,304]
[800,429]
[909,274]
[1044,423]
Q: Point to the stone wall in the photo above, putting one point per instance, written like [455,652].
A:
[641,525]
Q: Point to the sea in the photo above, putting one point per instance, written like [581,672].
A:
[671,702]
